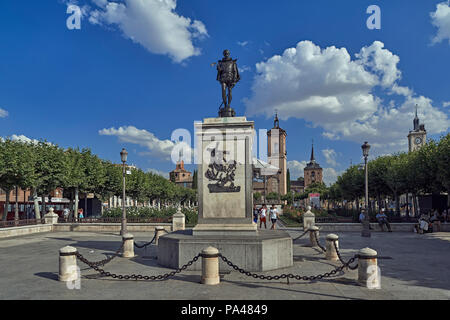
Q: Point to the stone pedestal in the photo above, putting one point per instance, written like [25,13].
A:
[159,231]
[225,218]
[128,245]
[331,253]
[309,219]
[178,220]
[68,270]
[368,271]
[51,217]
[313,231]
[225,174]
[210,266]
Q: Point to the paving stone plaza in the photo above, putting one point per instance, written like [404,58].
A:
[412,266]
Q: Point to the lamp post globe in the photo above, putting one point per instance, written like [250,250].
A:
[366,223]
[123,157]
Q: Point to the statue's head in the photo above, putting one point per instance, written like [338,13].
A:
[226,53]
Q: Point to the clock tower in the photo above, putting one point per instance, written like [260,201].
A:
[418,136]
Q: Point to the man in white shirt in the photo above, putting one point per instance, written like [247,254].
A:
[273,216]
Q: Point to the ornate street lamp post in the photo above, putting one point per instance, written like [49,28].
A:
[366,223]
[123,157]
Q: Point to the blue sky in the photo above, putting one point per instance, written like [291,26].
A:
[139,69]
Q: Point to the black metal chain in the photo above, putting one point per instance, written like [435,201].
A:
[301,235]
[137,276]
[145,244]
[318,243]
[347,264]
[284,275]
[102,262]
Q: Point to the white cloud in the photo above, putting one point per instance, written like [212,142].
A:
[161,149]
[3,113]
[154,24]
[330,176]
[244,69]
[328,88]
[242,43]
[330,157]
[158,172]
[296,168]
[446,104]
[441,20]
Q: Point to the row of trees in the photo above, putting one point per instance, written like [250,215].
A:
[425,171]
[43,167]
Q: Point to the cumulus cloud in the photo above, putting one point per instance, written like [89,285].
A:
[154,24]
[296,168]
[446,104]
[330,89]
[330,157]
[3,113]
[161,149]
[158,172]
[441,20]
[330,176]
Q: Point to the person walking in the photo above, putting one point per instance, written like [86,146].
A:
[382,220]
[262,216]
[80,213]
[273,216]
[255,214]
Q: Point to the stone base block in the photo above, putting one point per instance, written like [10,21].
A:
[265,250]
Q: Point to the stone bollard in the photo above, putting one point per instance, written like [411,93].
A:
[210,266]
[309,219]
[128,245]
[159,231]
[331,253]
[368,270]
[312,237]
[178,220]
[51,217]
[68,270]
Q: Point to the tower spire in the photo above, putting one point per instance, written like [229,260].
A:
[312,152]
[416,121]
[276,122]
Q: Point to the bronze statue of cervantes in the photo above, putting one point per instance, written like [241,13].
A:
[228,76]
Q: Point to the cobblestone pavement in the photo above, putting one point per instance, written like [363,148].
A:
[413,267]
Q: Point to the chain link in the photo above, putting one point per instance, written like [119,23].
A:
[104,261]
[284,275]
[346,264]
[318,243]
[301,235]
[145,244]
[136,276]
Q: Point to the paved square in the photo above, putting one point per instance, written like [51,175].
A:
[414,267]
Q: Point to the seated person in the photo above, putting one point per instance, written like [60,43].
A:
[436,221]
[382,219]
[423,225]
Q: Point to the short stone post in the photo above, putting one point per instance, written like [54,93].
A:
[159,231]
[312,237]
[309,219]
[178,220]
[128,245]
[210,266]
[331,253]
[51,217]
[68,270]
[368,270]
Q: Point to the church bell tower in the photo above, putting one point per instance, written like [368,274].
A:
[277,157]
[418,136]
